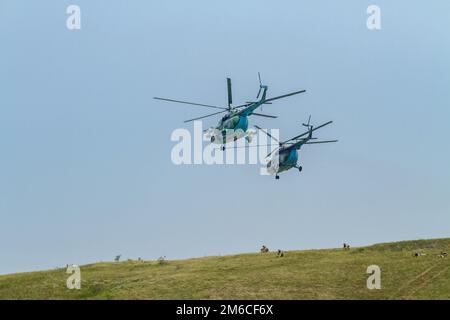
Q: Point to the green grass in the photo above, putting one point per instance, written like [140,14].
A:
[311,274]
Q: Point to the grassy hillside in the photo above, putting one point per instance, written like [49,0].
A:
[312,274]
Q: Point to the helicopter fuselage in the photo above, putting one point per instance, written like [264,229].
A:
[233,122]
[282,160]
[234,125]
[230,128]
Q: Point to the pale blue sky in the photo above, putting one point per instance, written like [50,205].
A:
[85,170]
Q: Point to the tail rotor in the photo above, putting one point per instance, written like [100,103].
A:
[260,86]
[310,127]
[308,124]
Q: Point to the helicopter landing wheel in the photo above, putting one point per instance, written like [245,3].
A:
[277,177]
[300,169]
[213,139]
[223,148]
[235,139]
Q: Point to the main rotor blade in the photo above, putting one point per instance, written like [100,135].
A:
[285,95]
[307,132]
[209,115]
[230,96]
[268,134]
[191,103]
[250,102]
[249,146]
[242,106]
[263,115]
[326,141]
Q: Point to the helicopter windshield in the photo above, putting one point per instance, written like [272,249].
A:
[221,121]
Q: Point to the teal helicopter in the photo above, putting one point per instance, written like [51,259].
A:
[285,156]
[234,124]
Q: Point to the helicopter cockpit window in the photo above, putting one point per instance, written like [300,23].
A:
[223,119]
